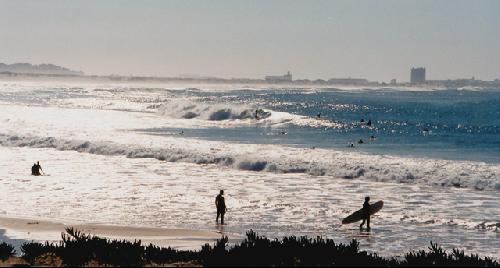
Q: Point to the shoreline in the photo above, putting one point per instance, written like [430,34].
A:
[185,247]
[18,230]
[82,249]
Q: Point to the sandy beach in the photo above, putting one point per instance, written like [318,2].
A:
[16,231]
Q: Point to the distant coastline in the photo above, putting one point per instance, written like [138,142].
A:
[27,71]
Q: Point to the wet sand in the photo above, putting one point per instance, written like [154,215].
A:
[23,229]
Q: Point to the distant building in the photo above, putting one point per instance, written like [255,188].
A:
[280,78]
[393,82]
[417,75]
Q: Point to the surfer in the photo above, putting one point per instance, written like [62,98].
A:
[220,204]
[369,123]
[36,168]
[361,141]
[318,115]
[366,214]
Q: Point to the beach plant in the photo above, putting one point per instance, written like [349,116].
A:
[437,256]
[257,250]
[472,260]
[158,255]
[6,251]
[216,255]
[33,250]
[74,249]
[79,249]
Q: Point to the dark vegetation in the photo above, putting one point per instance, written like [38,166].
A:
[78,249]
[6,251]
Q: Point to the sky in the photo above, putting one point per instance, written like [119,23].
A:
[378,40]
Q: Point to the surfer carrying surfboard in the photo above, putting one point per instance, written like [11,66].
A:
[366,214]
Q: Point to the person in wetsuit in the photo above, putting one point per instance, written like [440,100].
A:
[220,204]
[366,214]
[36,168]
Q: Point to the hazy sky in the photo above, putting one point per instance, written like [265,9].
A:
[378,40]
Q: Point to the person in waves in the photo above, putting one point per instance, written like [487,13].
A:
[36,168]
[366,214]
[220,204]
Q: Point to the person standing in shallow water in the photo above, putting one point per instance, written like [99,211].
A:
[366,214]
[220,204]
[36,168]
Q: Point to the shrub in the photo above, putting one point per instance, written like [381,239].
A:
[290,251]
[437,256]
[78,249]
[33,250]
[155,254]
[6,251]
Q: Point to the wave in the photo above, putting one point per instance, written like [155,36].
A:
[283,118]
[239,112]
[338,164]
[215,112]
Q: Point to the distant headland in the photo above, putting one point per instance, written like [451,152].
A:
[41,69]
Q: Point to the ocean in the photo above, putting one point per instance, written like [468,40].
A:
[290,159]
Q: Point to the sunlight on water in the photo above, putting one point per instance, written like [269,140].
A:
[158,156]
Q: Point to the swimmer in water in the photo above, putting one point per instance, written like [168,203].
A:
[36,169]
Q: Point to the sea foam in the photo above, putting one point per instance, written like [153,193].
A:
[271,158]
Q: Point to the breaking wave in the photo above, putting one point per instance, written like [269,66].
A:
[214,112]
[339,164]
[226,111]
